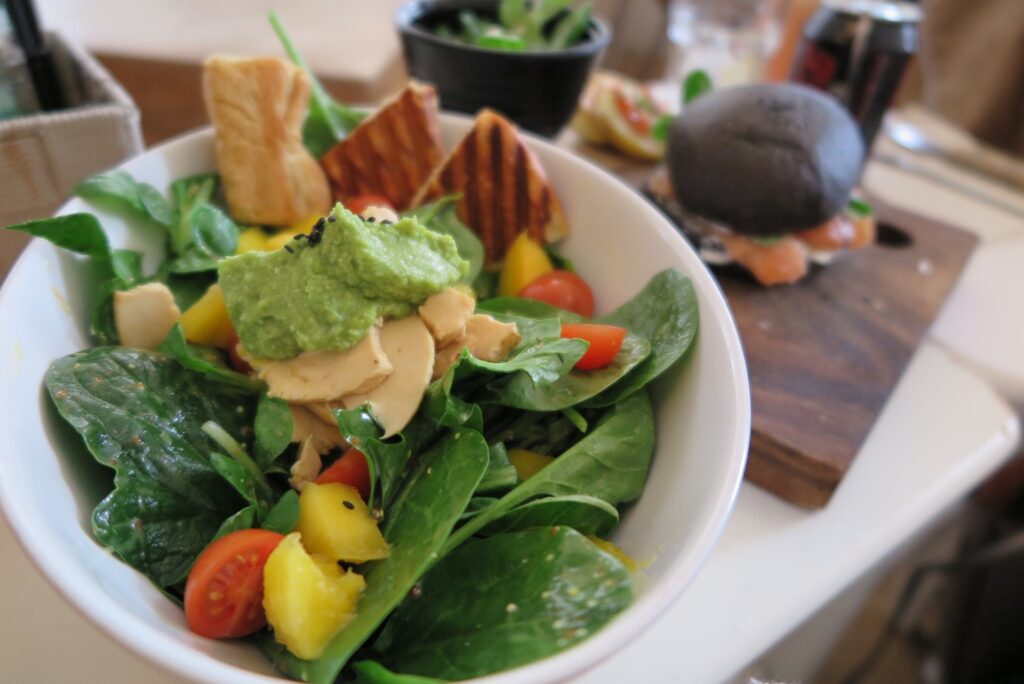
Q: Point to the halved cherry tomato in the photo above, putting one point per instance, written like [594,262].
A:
[563,289]
[234,358]
[358,204]
[224,591]
[350,469]
[639,120]
[605,343]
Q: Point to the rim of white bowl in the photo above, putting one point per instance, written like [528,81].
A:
[170,654]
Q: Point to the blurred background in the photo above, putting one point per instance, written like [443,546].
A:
[939,610]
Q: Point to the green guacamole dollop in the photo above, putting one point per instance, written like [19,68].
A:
[326,296]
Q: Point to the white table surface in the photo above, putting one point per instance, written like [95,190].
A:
[942,432]
[361,46]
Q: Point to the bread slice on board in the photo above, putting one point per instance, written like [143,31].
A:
[503,188]
[392,152]
[257,106]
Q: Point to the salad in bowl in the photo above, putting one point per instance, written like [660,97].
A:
[360,410]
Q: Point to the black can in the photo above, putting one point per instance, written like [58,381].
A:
[858,50]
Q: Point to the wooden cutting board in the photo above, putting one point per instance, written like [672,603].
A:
[824,355]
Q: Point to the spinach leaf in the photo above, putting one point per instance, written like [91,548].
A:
[371,672]
[284,516]
[542,357]
[242,473]
[328,122]
[520,390]
[665,312]
[696,83]
[485,284]
[114,269]
[586,514]
[117,189]
[542,432]
[441,217]
[242,520]
[272,429]
[500,474]
[505,601]
[79,233]
[476,504]
[427,507]
[610,463]
[517,308]
[189,356]
[661,127]
[142,413]
[204,234]
[188,288]
[236,475]
[387,460]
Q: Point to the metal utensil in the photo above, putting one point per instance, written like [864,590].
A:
[925,172]
[988,162]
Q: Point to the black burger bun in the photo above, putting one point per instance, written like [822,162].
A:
[764,159]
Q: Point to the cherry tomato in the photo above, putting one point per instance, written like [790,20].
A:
[350,469]
[563,289]
[234,358]
[638,119]
[358,204]
[224,591]
[605,343]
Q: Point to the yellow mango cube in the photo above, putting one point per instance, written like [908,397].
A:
[282,237]
[252,240]
[206,321]
[308,598]
[525,261]
[334,522]
[528,463]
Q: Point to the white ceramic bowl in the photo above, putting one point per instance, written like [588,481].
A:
[49,485]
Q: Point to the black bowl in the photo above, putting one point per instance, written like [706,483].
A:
[538,90]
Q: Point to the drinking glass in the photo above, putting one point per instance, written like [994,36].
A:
[729,39]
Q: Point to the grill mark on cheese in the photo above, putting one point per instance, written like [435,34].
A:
[470,197]
[522,191]
[419,128]
[492,165]
[498,225]
[392,153]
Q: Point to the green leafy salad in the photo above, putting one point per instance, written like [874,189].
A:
[523,25]
[333,442]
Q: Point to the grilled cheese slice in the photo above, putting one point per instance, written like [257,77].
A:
[257,106]
[392,152]
[503,188]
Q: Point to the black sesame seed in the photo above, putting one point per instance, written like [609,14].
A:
[349,505]
[386,222]
[371,220]
[332,218]
[289,249]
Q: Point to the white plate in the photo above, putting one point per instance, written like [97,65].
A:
[48,485]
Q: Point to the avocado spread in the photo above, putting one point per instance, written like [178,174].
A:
[325,293]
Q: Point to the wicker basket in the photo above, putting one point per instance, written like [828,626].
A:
[44,155]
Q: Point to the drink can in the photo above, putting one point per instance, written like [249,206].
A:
[857,50]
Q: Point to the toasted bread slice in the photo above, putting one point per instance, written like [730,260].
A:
[392,152]
[257,106]
[504,189]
